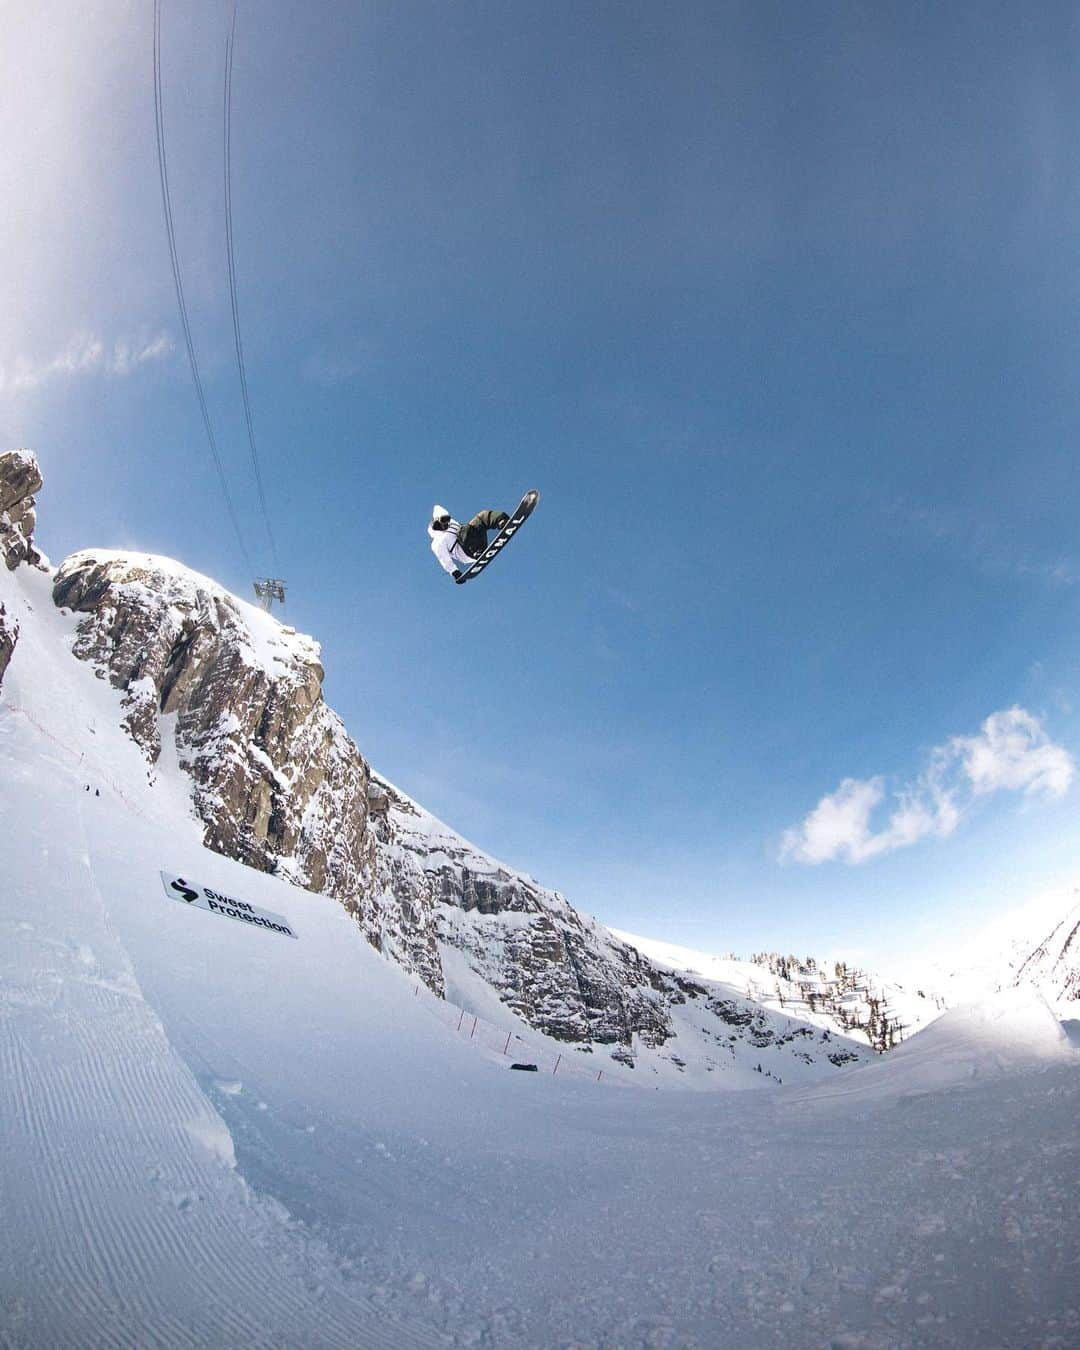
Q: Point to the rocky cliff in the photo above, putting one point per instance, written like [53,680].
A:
[279,785]
[276,780]
[20,478]
[558,970]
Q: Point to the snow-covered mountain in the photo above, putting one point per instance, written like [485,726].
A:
[216,688]
[827,993]
[1037,946]
[214,1134]
[226,703]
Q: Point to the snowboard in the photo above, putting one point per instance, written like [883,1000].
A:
[521,513]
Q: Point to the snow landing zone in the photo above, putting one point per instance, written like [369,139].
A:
[213,1136]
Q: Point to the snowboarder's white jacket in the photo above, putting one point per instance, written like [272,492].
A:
[447,549]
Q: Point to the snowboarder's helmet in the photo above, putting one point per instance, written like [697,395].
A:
[439,514]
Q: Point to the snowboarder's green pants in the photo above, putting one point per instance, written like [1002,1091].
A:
[474,535]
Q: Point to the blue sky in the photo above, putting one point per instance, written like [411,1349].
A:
[777,305]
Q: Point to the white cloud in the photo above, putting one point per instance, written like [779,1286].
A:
[1011,752]
[126,356]
[84,354]
[839,824]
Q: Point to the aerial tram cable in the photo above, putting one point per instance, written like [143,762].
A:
[231,253]
[159,119]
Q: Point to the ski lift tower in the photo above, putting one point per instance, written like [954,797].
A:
[269,589]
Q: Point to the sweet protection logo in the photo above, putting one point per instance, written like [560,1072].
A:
[227,906]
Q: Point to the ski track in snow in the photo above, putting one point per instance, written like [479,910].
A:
[132,1207]
[214,1136]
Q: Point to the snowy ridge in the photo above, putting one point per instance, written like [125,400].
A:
[1053,966]
[146,578]
[1038,946]
[234,698]
[829,994]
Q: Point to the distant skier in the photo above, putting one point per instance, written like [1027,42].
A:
[458,546]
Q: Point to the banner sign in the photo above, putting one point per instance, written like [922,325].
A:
[202,897]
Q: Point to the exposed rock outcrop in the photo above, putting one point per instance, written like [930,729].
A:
[20,478]
[559,971]
[277,782]
[9,635]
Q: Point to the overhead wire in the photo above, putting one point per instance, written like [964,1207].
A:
[159,118]
[231,252]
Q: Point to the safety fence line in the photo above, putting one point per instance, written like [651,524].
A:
[490,1036]
[78,755]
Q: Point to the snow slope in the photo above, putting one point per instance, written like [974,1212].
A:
[214,1135]
[1037,945]
[1010,1033]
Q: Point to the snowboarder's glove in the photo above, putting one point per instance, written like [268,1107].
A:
[458,576]
[502,520]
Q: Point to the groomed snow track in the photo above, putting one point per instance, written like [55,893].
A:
[132,1226]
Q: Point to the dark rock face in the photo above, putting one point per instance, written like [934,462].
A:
[20,478]
[559,971]
[277,782]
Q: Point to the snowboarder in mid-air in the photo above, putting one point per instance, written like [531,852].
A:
[463,550]
[458,546]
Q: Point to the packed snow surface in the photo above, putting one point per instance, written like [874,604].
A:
[214,1135]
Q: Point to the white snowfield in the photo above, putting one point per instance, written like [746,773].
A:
[211,1135]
